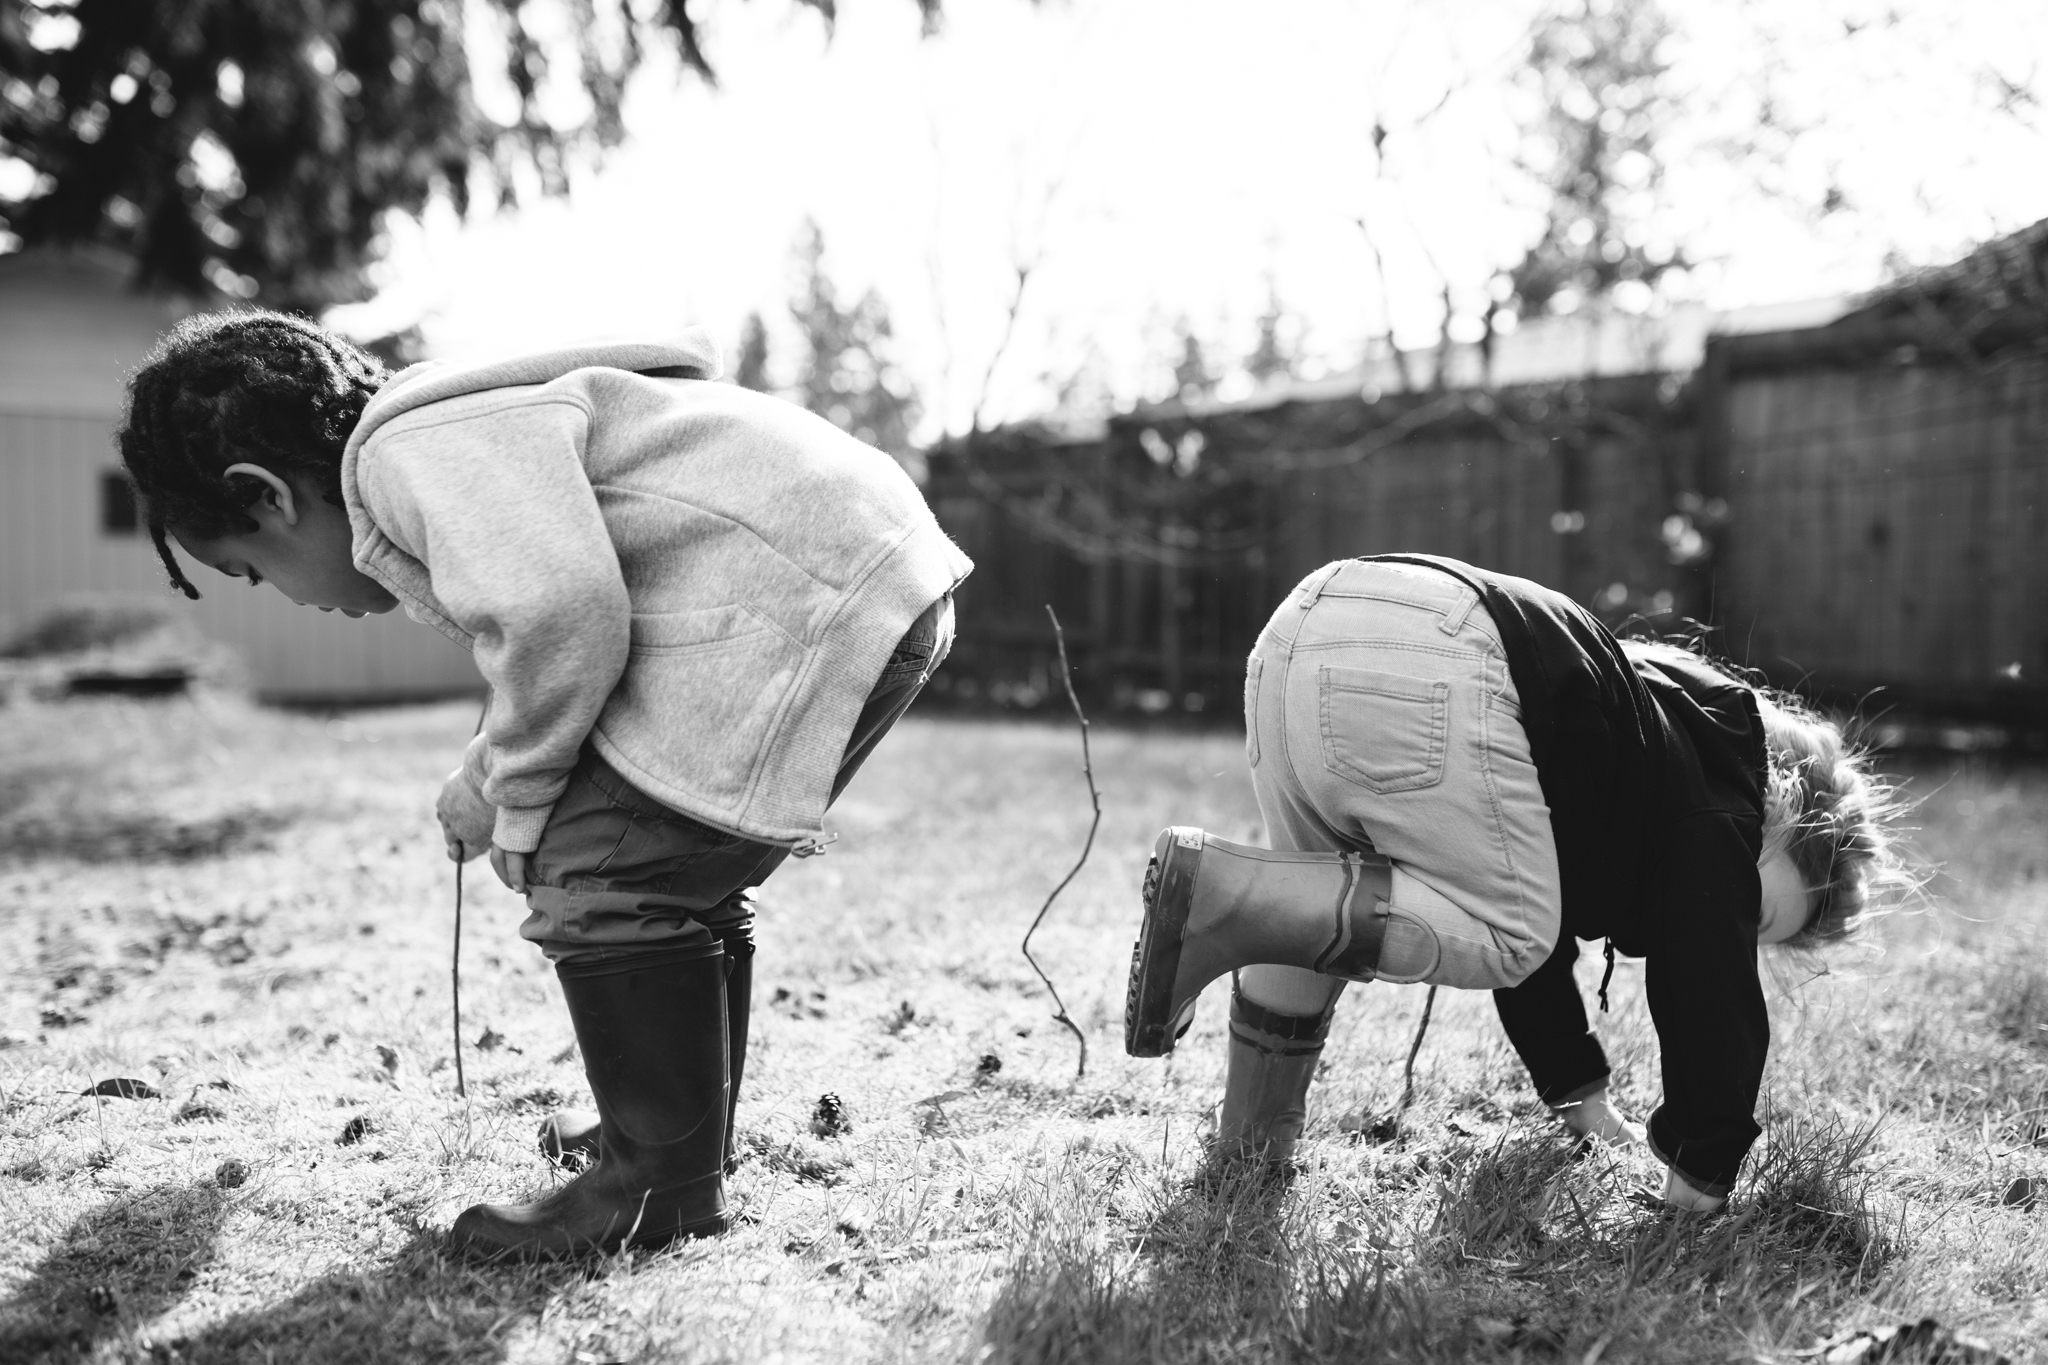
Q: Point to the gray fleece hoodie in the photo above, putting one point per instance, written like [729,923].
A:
[701,581]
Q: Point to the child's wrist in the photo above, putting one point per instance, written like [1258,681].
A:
[518,828]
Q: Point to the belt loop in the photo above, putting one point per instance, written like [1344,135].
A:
[1454,619]
[1318,582]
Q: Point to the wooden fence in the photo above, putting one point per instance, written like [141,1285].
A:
[1887,533]
[1165,543]
[1859,519]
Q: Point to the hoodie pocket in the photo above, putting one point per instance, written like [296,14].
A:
[679,632]
[700,696]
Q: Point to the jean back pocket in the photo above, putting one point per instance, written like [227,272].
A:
[1384,731]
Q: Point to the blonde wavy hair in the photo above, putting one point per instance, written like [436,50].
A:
[1827,811]
[1824,807]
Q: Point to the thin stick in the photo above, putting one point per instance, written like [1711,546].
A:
[455,957]
[1095,799]
[455,979]
[1408,1071]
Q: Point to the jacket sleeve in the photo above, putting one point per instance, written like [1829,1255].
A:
[1545,1019]
[497,506]
[1707,1000]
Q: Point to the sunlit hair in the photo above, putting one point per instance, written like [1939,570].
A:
[224,388]
[1827,811]
[1824,808]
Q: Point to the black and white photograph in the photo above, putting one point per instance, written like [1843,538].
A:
[1024,682]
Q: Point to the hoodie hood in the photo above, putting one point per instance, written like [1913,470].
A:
[691,355]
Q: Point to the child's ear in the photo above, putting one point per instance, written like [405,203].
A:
[278,494]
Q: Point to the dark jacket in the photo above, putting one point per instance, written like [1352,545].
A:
[1653,766]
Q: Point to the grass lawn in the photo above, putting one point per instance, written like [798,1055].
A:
[249,911]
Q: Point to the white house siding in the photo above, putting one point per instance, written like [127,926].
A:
[70,330]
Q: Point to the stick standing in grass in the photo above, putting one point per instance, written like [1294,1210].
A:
[698,609]
[1463,773]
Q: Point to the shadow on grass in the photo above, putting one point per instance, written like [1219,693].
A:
[418,1305]
[1533,1251]
[1226,1269]
[124,1264]
[119,1265]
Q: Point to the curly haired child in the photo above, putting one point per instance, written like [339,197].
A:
[698,610]
[1462,774]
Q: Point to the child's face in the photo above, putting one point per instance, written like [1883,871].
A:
[301,546]
[1788,905]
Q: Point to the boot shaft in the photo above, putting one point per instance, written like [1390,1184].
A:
[652,1029]
[1272,1062]
[1322,911]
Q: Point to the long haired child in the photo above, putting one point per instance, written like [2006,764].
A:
[1464,773]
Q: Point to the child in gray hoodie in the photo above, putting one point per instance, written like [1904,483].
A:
[698,610]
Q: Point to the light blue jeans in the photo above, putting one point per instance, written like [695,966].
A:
[1380,715]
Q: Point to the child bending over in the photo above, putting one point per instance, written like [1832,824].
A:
[698,610]
[1463,773]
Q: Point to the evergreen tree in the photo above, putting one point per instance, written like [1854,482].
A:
[848,375]
[253,146]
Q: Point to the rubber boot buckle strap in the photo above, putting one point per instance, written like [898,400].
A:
[1352,954]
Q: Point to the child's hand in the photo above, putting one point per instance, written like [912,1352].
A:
[1596,1117]
[466,818]
[510,867]
[1680,1195]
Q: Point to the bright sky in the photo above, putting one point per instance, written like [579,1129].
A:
[1160,159]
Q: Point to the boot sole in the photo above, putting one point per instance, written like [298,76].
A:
[1151,1027]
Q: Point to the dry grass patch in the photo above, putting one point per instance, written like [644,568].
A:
[247,911]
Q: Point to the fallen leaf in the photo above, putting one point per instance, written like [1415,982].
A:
[125,1088]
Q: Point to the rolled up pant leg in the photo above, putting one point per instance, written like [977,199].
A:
[1381,715]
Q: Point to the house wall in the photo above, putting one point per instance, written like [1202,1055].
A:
[70,332]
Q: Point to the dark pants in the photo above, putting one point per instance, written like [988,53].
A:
[617,872]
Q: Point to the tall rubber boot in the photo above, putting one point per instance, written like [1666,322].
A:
[1212,906]
[1273,1059]
[652,1031]
[569,1137]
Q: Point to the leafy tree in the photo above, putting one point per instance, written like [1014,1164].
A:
[1596,150]
[253,146]
[848,375]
